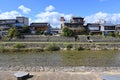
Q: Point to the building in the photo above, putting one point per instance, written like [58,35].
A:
[107,27]
[19,22]
[94,28]
[74,24]
[40,27]
[23,20]
[117,29]
[56,30]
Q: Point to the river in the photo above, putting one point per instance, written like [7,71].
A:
[107,58]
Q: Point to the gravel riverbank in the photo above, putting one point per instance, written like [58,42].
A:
[60,69]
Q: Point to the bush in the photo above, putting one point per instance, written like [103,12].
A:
[111,34]
[1,48]
[13,32]
[90,33]
[68,46]
[52,47]
[78,48]
[40,32]
[67,32]
[18,45]
[81,31]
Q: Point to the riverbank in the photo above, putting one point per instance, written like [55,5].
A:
[9,75]
[41,46]
[59,69]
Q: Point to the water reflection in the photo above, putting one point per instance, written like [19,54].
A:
[110,77]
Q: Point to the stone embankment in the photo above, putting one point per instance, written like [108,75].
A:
[81,38]
[60,69]
[97,46]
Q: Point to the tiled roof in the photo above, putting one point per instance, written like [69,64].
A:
[39,24]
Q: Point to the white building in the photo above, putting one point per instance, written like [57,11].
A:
[23,20]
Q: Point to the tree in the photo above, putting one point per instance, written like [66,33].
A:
[25,29]
[67,32]
[111,34]
[13,32]
[81,31]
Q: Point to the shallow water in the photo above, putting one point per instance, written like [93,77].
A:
[63,58]
[110,77]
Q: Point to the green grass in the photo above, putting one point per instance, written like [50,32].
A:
[90,58]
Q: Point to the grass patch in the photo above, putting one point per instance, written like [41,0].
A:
[18,45]
[52,47]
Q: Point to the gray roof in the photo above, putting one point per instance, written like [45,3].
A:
[108,24]
[39,24]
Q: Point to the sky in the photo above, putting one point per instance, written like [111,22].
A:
[51,10]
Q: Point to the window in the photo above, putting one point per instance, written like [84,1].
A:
[109,27]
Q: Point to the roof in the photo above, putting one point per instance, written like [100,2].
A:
[6,19]
[77,18]
[93,24]
[108,24]
[73,23]
[39,24]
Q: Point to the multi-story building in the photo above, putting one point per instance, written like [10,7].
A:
[104,28]
[40,27]
[19,22]
[23,20]
[117,28]
[107,27]
[74,24]
[94,28]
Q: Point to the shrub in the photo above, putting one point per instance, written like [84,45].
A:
[78,48]
[52,47]
[90,33]
[68,46]
[13,32]
[111,34]
[67,32]
[81,31]
[40,32]
[1,48]
[18,45]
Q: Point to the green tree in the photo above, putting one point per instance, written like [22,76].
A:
[111,34]
[67,32]
[81,31]
[26,29]
[13,32]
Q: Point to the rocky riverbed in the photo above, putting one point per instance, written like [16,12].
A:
[59,69]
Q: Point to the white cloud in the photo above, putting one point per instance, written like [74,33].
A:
[9,15]
[51,17]
[24,9]
[50,8]
[113,18]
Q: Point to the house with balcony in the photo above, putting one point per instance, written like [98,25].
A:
[108,27]
[74,24]
[94,28]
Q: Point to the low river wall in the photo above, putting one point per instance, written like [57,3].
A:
[80,38]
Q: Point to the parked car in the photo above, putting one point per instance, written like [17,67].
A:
[47,33]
